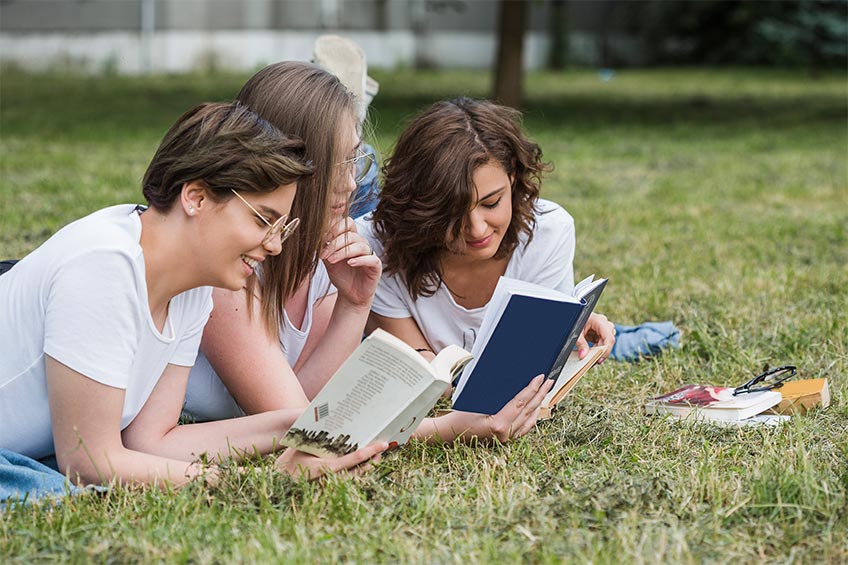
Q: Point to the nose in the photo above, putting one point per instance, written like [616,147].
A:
[476,227]
[348,181]
[273,245]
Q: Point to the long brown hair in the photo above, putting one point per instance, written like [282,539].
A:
[428,191]
[304,100]
[224,146]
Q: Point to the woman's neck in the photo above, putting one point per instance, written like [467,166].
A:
[472,283]
[166,262]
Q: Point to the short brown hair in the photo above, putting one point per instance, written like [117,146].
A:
[428,191]
[301,99]
[224,146]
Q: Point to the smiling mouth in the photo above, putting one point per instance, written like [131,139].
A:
[250,262]
[480,242]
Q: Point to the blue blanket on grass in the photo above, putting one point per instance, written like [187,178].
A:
[22,478]
[634,342]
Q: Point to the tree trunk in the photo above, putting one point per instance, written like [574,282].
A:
[558,30]
[508,66]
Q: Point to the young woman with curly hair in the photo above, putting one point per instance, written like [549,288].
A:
[459,208]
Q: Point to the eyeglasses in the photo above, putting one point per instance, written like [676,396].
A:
[362,161]
[279,228]
[767,380]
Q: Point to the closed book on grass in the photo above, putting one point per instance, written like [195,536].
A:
[798,397]
[381,393]
[704,402]
[527,330]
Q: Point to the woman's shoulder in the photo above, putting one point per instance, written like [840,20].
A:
[193,305]
[116,229]
[319,284]
[550,215]
[104,241]
[365,224]
[553,225]
[365,228]
[547,258]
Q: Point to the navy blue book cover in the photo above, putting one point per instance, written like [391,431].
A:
[525,343]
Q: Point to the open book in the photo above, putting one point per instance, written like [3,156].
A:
[571,372]
[527,330]
[381,393]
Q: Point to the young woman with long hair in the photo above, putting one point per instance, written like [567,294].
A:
[274,344]
[459,208]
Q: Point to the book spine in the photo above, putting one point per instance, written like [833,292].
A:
[570,342]
[588,303]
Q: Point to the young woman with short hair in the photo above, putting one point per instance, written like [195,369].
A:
[100,324]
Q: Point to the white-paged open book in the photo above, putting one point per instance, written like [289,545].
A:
[381,393]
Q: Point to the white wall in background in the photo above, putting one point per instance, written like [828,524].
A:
[177,51]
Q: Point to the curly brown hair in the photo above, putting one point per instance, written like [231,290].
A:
[428,191]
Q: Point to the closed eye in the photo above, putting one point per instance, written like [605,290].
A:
[491,205]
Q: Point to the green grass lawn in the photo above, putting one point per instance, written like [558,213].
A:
[716,199]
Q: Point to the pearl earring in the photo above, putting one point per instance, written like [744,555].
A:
[191,209]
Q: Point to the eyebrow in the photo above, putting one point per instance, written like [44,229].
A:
[271,214]
[493,193]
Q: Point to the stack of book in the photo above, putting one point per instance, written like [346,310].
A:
[720,405]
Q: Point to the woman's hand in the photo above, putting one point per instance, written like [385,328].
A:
[520,414]
[299,464]
[351,264]
[518,417]
[599,331]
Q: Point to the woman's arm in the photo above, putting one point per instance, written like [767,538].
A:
[336,331]
[322,312]
[250,362]
[86,420]
[247,359]
[514,420]
[154,430]
[354,271]
[404,328]
[153,449]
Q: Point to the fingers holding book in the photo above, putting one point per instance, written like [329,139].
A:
[520,414]
[600,331]
[299,464]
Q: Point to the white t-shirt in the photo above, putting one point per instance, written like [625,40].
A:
[207,398]
[81,298]
[546,260]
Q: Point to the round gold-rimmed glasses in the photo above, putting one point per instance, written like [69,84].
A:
[280,228]
[361,164]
